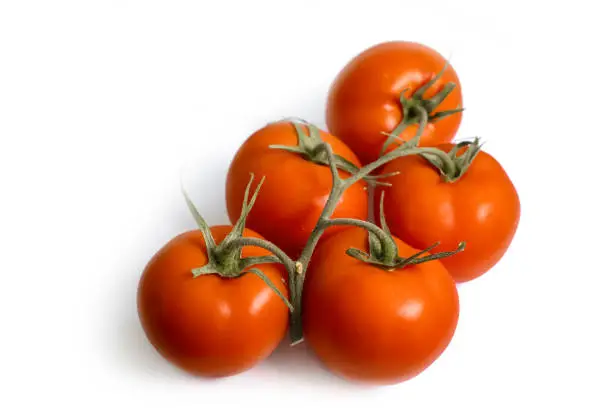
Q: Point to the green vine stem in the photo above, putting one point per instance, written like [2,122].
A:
[226,260]
[388,260]
[385,247]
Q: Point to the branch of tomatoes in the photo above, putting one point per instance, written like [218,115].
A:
[225,259]
[350,290]
[383,250]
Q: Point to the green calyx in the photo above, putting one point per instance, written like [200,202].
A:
[455,163]
[383,251]
[312,148]
[417,109]
[225,259]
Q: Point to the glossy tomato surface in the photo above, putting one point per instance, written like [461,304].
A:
[364,99]
[371,325]
[210,326]
[482,208]
[295,190]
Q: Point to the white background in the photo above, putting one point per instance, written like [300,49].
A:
[105,104]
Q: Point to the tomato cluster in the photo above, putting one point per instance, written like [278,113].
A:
[369,296]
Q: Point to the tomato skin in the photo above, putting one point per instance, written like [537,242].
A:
[210,326]
[482,208]
[371,325]
[295,190]
[363,100]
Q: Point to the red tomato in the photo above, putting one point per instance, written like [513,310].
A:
[295,190]
[364,99]
[210,325]
[481,208]
[372,325]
